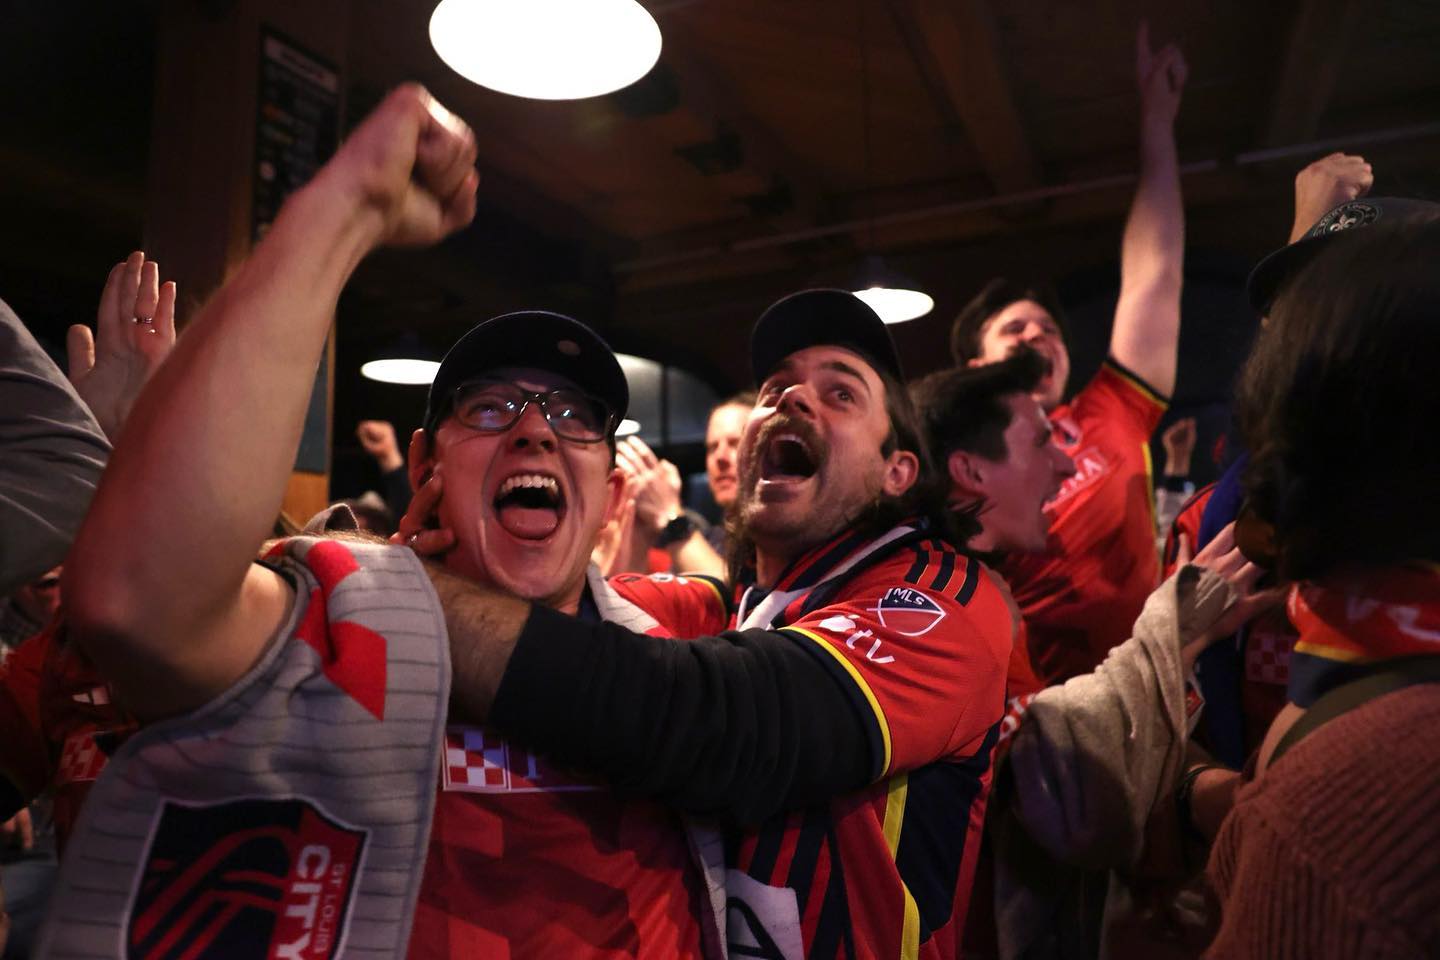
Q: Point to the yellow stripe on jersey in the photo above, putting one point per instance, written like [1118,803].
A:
[894,819]
[719,597]
[863,687]
[1328,652]
[910,933]
[1143,388]
[895,811]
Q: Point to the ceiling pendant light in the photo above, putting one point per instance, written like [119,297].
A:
[892,296]
[547,49]
[404,360]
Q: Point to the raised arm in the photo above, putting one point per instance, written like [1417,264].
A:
[161,588]
[134,333]
[1325,184]
[1146,333]
[657,503]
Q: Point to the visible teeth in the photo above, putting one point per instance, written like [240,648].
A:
[534,480]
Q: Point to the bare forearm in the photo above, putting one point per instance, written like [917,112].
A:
[1147,318]
[695,555]
[1211,799]
[202,466]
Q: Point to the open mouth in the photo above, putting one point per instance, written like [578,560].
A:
[787,459]
[529,505]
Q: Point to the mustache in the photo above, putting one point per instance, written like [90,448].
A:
[752,456]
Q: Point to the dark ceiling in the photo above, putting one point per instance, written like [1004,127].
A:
[1000,139]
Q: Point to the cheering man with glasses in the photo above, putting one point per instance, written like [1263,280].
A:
[520,427]
[307,697]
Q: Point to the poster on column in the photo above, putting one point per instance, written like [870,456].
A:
[297,129]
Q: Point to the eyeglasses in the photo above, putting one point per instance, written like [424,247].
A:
[494,406]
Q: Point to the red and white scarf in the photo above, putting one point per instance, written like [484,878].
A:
[1350,623]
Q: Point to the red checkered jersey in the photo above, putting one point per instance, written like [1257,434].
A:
[1081,596]
[526,860]
[920,636]
[57,725]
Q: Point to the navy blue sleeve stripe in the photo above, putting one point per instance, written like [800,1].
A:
[922,560]
[947,568]
[939,796]
[971,581]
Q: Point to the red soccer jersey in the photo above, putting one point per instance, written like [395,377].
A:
[1081,596]
[57,725]
[528,861]
[920,637]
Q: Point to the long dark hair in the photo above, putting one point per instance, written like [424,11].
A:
[1339,403]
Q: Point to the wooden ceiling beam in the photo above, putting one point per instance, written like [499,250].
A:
[1314,53]
[766,158]
[956,46]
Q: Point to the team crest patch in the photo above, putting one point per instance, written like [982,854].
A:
[908,612]
[248,879]
[1347,216]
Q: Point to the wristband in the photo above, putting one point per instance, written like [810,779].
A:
[678,530]
[1179,484]
[1183,794]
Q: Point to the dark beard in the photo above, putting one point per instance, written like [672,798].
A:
[739,538]
[752,457]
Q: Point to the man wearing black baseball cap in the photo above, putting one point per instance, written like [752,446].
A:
[860,679]
[307,698]
[516,462]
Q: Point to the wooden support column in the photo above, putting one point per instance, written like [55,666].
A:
[202,203]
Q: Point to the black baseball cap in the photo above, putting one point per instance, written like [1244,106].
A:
[1271,273]
[814,318]
[531,338]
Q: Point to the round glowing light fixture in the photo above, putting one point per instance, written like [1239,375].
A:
[893,297]
[404,360]
[546,49]
[897,305]
[399,370]
[627,428]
